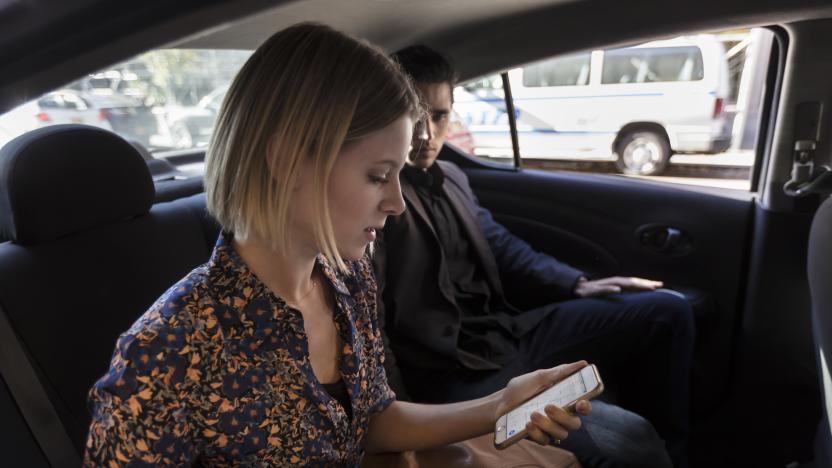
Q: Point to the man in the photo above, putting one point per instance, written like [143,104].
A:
[442,267]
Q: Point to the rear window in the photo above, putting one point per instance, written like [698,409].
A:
[163,100]
[652,65]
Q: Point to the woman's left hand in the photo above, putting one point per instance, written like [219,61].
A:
[555,424]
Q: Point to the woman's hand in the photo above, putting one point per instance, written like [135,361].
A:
[556,424]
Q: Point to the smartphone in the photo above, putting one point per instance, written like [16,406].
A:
[582,385]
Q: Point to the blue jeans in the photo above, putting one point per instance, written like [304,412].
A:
[642,344]
[614,437]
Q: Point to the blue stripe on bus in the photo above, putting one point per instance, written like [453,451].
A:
[542,130]
[561,97]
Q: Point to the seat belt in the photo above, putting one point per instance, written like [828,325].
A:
[807,177]
[32,400]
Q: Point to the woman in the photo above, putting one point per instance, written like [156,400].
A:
[270,353]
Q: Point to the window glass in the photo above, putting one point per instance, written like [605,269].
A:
[693,118]
[571,70]
[651,65]
[479,123]
[164,100]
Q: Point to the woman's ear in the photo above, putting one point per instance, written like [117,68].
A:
[274,167]
[271,159]
[301,174]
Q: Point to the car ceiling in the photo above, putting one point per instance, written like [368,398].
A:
[404,21]
[40,52]
[490,35]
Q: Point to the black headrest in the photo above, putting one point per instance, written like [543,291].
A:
[63,179]
[819,269]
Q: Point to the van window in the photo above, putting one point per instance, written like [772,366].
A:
[570,70]
[490,83]
[652,65]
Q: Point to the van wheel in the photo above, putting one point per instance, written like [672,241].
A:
[642,153]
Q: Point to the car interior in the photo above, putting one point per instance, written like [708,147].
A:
[94,228]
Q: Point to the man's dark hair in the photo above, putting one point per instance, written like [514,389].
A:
[425,65]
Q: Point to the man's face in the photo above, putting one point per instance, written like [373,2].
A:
[429,136]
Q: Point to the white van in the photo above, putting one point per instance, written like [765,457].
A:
[644,103]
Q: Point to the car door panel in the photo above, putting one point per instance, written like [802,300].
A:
[608,211]
[571,215]
[744,273]
[775,382]
[574,250]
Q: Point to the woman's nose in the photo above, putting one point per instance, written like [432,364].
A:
[393,204]
[423,131]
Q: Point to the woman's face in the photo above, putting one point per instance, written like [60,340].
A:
[364,188]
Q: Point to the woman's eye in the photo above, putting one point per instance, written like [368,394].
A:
[378,179]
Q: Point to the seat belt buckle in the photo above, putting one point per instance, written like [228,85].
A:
[806,177]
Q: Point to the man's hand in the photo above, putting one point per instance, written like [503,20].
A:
[613,285]
[554,424]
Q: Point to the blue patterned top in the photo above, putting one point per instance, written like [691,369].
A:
[217,372]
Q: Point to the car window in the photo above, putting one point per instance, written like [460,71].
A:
[73,102]
[684,110]
[166,99]
[50,102]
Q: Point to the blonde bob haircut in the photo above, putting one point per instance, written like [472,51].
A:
[301,96]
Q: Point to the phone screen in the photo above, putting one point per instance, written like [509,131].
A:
[562,393]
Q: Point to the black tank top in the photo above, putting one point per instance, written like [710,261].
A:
[338,390]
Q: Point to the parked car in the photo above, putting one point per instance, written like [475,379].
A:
[190,127]
[644,103]
[58,107]
[131,81]
[128,117]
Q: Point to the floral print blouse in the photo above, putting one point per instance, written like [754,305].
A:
[217,373]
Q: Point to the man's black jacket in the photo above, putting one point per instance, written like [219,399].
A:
[416,297]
